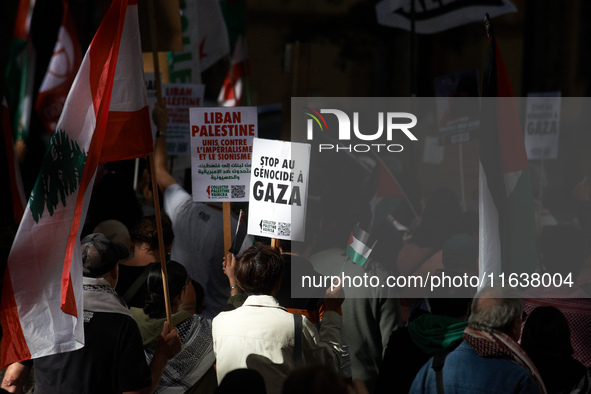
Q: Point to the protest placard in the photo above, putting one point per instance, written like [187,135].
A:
[221,152]
[542,125]
[179,97]
[458,113]
[279,189]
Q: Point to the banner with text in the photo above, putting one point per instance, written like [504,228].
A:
[221,152]
[542,125]
[179,97]
[279,189]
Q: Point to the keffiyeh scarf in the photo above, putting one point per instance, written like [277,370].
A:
[500,345]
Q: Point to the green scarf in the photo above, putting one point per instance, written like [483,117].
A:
[434,333]
[150,328]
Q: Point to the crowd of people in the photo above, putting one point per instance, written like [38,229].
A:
[238,328]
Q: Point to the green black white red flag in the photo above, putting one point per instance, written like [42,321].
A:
[105,118]
[507,222]
[359,246]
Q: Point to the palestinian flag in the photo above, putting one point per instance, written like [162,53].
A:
[388,193]
[507,222]
[358,248]
[241,240]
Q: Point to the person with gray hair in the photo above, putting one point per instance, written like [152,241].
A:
[495,310]
[488,360]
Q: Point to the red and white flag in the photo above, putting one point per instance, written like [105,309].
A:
[231,92]
[60,74]
[211,34]
[205,41]
[41,307]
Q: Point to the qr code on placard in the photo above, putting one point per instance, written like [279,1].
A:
[238,191]
[284,229]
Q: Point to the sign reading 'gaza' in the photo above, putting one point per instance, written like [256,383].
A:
[278,189]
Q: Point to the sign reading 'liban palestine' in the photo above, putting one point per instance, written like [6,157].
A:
[278,189]
[178,97]
[221,152]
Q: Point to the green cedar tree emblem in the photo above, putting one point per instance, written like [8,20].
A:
[60,175]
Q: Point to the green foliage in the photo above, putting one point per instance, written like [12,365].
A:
[60,175]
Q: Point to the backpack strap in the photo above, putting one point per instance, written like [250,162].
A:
[437,365]
[135,286]
[297,347]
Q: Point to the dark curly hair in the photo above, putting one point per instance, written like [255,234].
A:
[145,231]
[259,268]
[177,279]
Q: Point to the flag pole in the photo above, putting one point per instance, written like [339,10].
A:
[227,218]
[152,20]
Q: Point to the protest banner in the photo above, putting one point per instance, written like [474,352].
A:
[542,125]
[221,152]
[458,119]
[279,189]
[178,97]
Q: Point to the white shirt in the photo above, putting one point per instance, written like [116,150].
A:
[260,335]
[199,245]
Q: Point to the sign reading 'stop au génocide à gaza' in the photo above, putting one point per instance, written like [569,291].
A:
[221,152]
[278,189]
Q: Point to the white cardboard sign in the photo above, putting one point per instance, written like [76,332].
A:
[278,189]
[542,125]
[179,97]
[221,152]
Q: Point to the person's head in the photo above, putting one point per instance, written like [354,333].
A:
[258,271]
[243,381]
[115,231]
[546,331]
[145,232]
[451,306]
[562,249]
[100,257]
[315,380]
[199,297]
[177,280]
[496,309]
[546,340]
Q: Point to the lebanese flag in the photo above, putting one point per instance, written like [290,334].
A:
[17,191]
[60,74]
[358,248]
[507,222]
[231,92]
[41,307]
[208,32]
